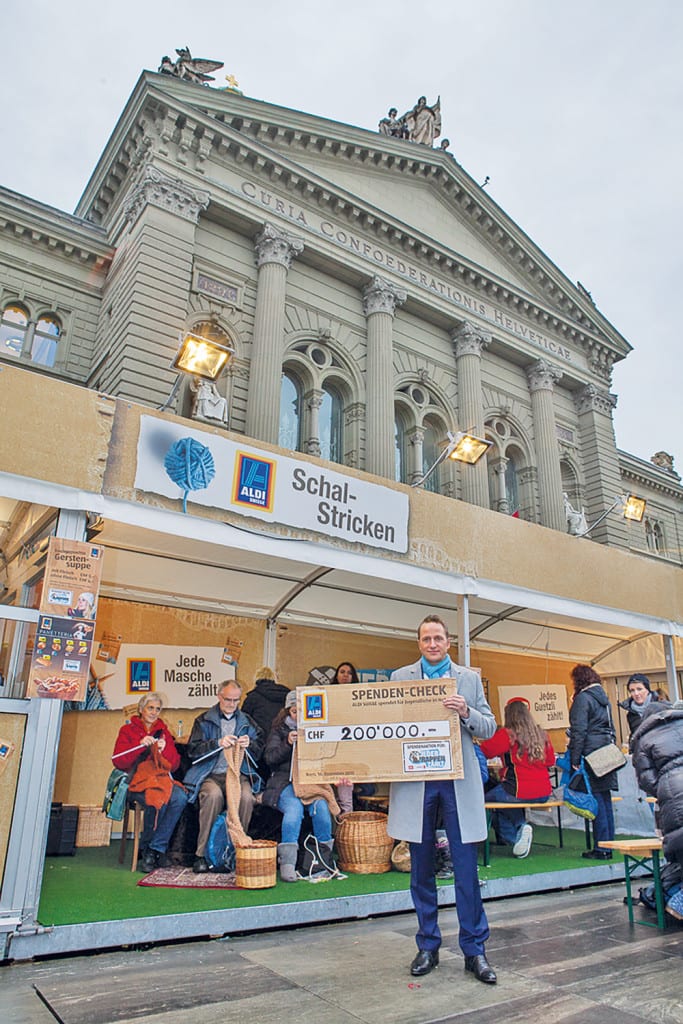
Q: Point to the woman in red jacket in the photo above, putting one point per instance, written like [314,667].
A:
[144,747]
[527,754]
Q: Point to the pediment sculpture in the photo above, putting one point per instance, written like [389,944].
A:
[188,68]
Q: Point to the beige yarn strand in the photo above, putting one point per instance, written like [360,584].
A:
[233,789]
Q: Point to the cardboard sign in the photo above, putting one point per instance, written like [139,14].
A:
[547,704]
[385,732]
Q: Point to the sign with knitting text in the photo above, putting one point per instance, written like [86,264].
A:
[384,732]
[184,677]
[195,466]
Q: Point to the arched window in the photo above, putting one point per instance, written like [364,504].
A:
[45,340]
[430,453]
[654,535]
[290,414]
[13,329]
[401,455]
[330,426]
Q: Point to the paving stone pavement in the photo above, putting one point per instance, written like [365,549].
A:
[567,957]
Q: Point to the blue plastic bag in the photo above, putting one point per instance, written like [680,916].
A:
[583,804]
[220,852]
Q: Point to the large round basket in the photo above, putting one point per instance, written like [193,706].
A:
[363,846]
[256,866]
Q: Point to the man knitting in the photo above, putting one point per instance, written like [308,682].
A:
[215,731]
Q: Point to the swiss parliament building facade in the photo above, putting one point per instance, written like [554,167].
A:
[375,297]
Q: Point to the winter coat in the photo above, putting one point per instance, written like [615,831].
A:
[278,756]
[524,779]
[206,732]
[632,717]
[406,799]
[589,729]
[657,746]
[264,701]
[131,734]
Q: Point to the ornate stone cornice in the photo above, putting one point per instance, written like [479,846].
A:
[353,413]
[542,375]
[380,296]
[594,399]
[275,246]
[469,340]
[170,194]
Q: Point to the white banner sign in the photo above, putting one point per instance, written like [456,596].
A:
[187,464]
[547,704]
[187,677]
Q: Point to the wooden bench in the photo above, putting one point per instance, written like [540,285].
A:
[641,853]
[547,805]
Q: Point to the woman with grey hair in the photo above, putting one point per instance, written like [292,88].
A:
[145,749]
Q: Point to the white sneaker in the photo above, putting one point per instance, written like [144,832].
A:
[523,844]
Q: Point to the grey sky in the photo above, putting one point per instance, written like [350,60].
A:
[572,109]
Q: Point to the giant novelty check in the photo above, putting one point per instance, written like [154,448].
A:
[379,732]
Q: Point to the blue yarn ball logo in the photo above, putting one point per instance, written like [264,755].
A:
[190,465]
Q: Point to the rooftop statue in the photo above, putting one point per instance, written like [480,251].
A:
[423,122]
[189,69]
[390,125]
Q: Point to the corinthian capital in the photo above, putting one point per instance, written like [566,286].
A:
[171,194]
[594,399]
[543,376]
[469,340]
[275,246]
[381,296]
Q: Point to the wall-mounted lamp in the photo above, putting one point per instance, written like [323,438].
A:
[461,447]
[632,508]
[198,357]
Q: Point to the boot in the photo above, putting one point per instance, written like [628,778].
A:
[286,857]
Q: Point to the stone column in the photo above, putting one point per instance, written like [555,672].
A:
[147,293]
[380,299]
[499,467]
[594,406]
[469,342]
[313,401]
[275,250]
[415,440]
[542,377]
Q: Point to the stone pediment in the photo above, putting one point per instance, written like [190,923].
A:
[411,195]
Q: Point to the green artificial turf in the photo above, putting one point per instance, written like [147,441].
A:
[93,886]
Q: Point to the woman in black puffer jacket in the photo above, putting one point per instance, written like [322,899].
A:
[657,747]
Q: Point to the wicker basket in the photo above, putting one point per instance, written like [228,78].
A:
[93,828]
[256,866]
[363,846]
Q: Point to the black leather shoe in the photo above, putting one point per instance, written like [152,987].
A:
[163,860]
[148,861]
[200,865]
[597,854]
[481,969]
[424,962]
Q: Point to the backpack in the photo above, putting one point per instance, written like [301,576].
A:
[116,794]
[220,852]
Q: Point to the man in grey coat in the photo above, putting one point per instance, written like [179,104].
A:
[414,807]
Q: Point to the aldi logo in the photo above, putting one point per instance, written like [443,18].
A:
[254,482]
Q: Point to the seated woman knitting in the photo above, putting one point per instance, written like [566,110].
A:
[284,792]
[144,747]
[527,754]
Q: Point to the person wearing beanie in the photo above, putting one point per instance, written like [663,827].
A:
[639,698]
[266,699]
[286,794]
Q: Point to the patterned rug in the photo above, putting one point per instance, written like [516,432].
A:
[185,878]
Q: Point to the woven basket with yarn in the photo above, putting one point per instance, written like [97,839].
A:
[363,844]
